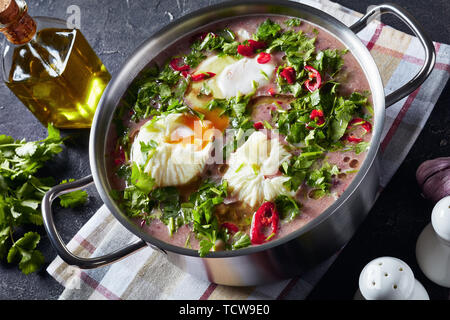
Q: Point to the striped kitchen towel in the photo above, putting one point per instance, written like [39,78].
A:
[148,275]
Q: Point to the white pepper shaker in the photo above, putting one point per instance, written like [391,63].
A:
[433,245]
[388,278]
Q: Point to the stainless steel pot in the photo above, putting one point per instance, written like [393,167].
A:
[296,252]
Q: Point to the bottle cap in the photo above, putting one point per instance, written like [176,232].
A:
[9,10]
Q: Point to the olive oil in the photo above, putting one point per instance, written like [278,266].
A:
[52,69]
[59,78]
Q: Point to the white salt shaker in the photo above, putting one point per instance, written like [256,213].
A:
[388,278]
[433,245]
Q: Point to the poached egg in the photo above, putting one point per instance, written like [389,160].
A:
[253,167]
[173,149]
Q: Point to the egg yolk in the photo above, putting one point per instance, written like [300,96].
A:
[193,131]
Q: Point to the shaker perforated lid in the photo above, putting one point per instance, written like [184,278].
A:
[386,278]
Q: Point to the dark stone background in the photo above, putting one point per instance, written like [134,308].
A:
[114,28]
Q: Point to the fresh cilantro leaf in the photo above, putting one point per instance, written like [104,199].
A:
[267,31]
[205,245]
[361,147]
[287,207]
[21,194]
[140,179]
[240,240]
[293,22]
[24,252]
[320,179]
[73,199]
[148,149]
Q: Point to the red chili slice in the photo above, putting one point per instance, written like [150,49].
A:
[357,122]
[230,226]
[249,49]
[175,64]
[367,126]
[288,74]
[256,45]
[317,114]
[272,92]
[263,58]
[314,79]
[354,139]
[202,76]
[363,123]
[265,216]
[245,51]
[258,125]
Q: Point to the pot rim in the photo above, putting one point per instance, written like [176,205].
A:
[199,19]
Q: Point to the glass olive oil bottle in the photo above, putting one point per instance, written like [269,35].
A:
[50,68]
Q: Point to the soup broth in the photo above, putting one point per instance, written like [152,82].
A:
[240,133]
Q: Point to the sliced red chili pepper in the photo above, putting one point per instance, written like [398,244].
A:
[288,74]
[230,226]
[175,64]
[363,123]
[265,216]
[263,58]
[245,51]
[184,73]
[314,79]
[249,49]
[256,45]
[202,76]
[258,125]
[316,114]
[354,139]
[272,92]
[120,157]
[367,126]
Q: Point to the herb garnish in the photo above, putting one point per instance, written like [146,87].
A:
[316,122]
[21,194]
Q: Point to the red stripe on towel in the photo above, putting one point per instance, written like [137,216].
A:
[84,243]
[402,113]
[208,291]
[398,119]
[375,36]
[94,284]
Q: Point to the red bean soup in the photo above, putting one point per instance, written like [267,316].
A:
[240,134]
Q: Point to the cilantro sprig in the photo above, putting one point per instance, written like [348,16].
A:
[21,193]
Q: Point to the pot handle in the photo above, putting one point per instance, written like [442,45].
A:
[411,22]
[57,242]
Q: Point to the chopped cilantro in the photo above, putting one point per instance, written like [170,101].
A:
[268,31]
[293,22]
[161,90]
[288,208]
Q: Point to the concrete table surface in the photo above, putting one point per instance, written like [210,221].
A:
[114,28]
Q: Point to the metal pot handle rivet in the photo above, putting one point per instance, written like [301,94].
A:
[58,243]
[411,22]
